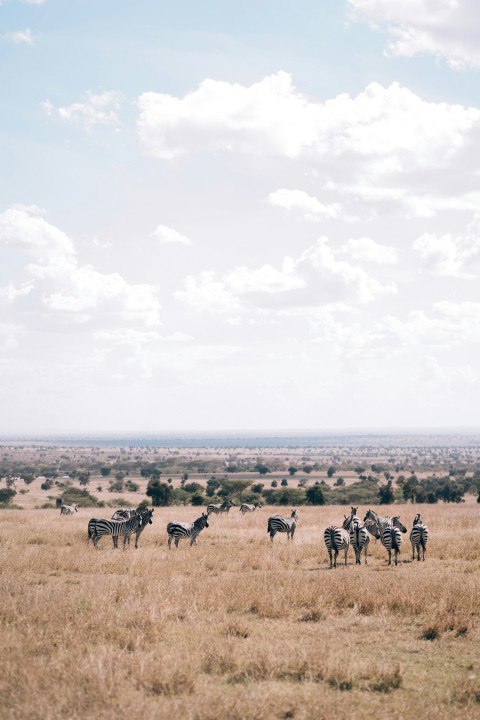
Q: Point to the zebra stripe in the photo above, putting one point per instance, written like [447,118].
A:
[126,513]
[336,539]
[244,508]
[68,509]
[277,523]
[97,527]
[392,538]
[418,537]
[359,540]
[146,516]
[381,523]
[224,507]
[183,530]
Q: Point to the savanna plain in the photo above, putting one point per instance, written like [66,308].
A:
[237,627]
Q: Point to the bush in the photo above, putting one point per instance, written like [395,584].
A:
[161,493]
[82,498]
[315,495]
[6,495]
[197,499]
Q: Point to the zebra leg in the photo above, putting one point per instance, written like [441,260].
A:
[389,556]
[115,542]
[272,534]
[346,554]
[177,540]
[413,551]
[335,555]
[169,541]
[193,541]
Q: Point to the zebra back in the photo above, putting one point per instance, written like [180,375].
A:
[99,527]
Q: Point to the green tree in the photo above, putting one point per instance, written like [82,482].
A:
[331,471]
[6,495]
[385,494]
[262,469]
[284,482]
[161,493]
[197,499]
[84,478]
[292,470]
[105,471]
[315,495]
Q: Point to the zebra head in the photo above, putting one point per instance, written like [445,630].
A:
[417,519]
[370,515]
[294,515]
[396,523]
[202,521]
[353,511]
[146,517]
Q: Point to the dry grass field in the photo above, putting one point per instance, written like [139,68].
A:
[237,627]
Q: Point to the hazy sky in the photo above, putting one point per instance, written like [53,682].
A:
[224,215]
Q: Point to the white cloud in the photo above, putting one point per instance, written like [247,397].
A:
[367,250]
[98,109]
[450,256]
[21,37]
[167,235]
[309,207]
[315,278]
[448,29]
[59,285]
[389,125]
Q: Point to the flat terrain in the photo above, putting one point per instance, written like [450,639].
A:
[237,627]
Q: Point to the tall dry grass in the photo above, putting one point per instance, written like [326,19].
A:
[237,627]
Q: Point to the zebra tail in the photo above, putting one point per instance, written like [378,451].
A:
[269,525]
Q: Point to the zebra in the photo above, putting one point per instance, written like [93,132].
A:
[146,516]
[418,537]
[359,540]
[179,530]
[68,509]
[381,522]
[336,539]
[223,508]
[126,514]
[100,526]
[244,508]
[277,523]
[391,538]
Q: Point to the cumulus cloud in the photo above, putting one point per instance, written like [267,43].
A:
[167,235]
[384,151]
[447,29]
[389,124]
[317,277]
[448,255]
[97,109]
[61,286]
[310,208]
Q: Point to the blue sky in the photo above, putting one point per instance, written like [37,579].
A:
[239,216]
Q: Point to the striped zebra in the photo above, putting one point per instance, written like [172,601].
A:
[380,522]
[223,508]
[336,539]
[418,537]
[68,509]
[277,523]
[97,527]
[245,508]
[359,540]
[179,530]
[147,519]
[391,538]
[126,513]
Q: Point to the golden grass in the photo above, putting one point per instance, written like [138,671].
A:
[237,627]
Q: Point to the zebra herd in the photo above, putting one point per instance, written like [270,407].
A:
[353,532]
[389,530]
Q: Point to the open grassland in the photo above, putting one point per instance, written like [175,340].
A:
[237,627]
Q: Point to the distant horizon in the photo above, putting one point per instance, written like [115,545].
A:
[398,437]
